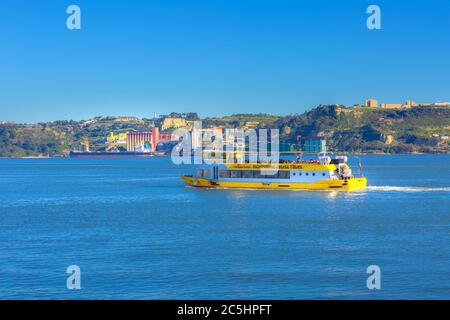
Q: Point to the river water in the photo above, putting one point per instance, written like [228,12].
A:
[137,232]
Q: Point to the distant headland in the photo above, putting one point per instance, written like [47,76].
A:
[390,128]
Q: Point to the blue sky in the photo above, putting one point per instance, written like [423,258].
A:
[217,57]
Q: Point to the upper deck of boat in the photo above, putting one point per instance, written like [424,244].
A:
[281,166]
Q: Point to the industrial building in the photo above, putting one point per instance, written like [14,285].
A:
[142,141]
[139,141]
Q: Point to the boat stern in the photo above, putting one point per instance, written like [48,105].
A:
[356,183]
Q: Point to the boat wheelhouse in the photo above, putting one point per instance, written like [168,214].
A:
[322,174]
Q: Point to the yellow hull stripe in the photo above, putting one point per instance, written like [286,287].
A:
[350,184]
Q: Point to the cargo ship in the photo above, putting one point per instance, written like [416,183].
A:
[106,154]
[322,174]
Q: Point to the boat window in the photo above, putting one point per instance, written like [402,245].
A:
[270,174]
[203,173]
[225,173]
[314,174]
[236,174]
[307,174]
[323,174]
[264,174]
[283,174]
[257,174]
[247,174]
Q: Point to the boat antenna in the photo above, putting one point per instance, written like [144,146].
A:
[360,167]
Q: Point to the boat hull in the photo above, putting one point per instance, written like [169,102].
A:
[124,154]
[349,184]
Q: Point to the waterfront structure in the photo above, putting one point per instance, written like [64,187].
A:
[165,137]
[138,144]
[139,141]
[154,138]
[134,140]
[114,141]
[116,138]
[85,145]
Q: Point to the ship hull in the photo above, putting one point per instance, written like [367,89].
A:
[110,154]
[349,184]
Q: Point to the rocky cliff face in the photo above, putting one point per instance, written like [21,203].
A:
[175,123]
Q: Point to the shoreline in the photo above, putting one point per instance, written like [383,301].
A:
[161,156]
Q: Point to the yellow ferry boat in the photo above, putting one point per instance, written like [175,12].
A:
[322,174]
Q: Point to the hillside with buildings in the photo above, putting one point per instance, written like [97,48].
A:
[372,130]
[387,128]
